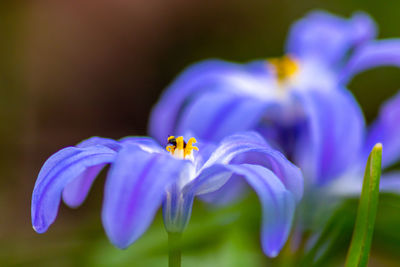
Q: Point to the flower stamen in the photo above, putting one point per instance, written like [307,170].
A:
[179,148]
[284,67]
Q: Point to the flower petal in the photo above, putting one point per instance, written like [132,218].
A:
[134,189]
[278,204]
[372,54]
[177,209]
[250,147]
[334,135]
[77,190]
[145,143]
[225,114]
[96,141]
[233,190]
[211,75]
[327,37]
[390,182]
[386,130]
[59,170]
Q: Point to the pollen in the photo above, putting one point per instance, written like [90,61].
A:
[179,148]
[284,67]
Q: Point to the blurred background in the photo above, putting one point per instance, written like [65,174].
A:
[73,69]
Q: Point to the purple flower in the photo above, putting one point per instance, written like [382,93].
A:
[299,102]
[143,176]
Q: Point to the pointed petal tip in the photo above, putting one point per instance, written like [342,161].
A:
[39,229]
[118,241]
[121,245]
[71,204]
[115,240]
[272,253]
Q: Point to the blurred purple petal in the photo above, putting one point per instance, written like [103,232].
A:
[134,189]
[211,75]
[334,135]
[58,171]
[371,55]
[390,182]
[386,130]
[327,37]
[215,115]
[348,184]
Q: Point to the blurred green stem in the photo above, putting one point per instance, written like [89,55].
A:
[174,249]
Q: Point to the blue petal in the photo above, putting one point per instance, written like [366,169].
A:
[386,130]
[212,75]
[100,141]
[135,186]
[371,55]
[327,37]
[278,204]
[225,114]
[177,209]
[250,147]
[390,182]
[76,191]
[233,190]
[144,142]
[204,153]
[58,171]
[334,135]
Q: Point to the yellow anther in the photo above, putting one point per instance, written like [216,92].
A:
[189,146]
[170,149]
[178,147]
[180,143]
[170,137]
[284,67]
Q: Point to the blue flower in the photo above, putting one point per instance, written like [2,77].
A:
[143,176]
[299,102]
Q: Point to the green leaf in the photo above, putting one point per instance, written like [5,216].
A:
[362,235]
[328,245]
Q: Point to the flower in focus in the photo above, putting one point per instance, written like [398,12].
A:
[143,176]
[298,102]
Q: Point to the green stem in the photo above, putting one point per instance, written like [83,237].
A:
[174,249]
[360,245]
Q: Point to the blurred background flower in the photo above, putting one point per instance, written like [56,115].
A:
[73,69]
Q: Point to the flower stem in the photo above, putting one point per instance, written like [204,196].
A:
[174,249]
